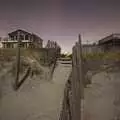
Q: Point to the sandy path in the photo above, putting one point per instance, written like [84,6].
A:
[37,99]
[102,98]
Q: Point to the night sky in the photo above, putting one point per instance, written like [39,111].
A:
[61,20]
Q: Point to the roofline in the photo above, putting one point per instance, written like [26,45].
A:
[25,32]
[89,45]
[37,36]
[103,40]
[19,30]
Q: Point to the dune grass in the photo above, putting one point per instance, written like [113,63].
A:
[103,56]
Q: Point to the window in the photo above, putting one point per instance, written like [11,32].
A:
[21,37]
[26,37]
[15,37]
[12,37]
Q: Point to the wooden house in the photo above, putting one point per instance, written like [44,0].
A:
[28,40]
[110,43]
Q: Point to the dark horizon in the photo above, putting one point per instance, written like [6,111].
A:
[61,20]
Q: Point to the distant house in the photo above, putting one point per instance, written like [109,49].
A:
[110,43]
[28,40]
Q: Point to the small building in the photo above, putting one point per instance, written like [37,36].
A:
[110,43]
[28,40]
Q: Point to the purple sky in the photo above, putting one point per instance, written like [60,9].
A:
[61,20]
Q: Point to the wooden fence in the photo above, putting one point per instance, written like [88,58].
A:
[51,54]
[74,89]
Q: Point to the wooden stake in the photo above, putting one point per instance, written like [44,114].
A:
[17,61]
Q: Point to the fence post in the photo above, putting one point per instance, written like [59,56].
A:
[75,87]
[77,81]
[76,91]
[17,61]
[80,65]
[81,76]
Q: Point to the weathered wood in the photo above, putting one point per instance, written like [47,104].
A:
[24,78]
[80,68]
[80,80]
[17,61]
[18,82]
[76,92]
[75,86]
[66,106]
